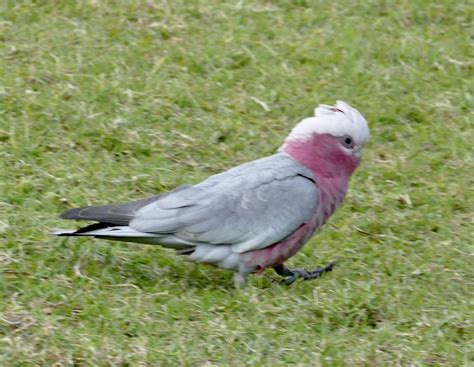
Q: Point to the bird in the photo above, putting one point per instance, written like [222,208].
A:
[254,216]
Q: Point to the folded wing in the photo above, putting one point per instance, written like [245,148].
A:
[249,207]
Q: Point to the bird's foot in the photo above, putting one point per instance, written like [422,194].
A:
[290,275]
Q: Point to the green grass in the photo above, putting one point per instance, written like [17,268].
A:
[108,101]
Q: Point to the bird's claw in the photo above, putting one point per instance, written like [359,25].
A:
[290,275]
[290,280]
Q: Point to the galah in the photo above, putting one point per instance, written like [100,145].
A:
[254,216]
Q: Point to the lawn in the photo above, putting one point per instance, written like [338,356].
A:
[109,101]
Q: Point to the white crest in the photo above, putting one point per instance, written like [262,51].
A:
[338,120]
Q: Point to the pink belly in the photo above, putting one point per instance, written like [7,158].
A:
[279,252]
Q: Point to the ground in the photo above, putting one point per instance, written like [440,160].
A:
[109,101]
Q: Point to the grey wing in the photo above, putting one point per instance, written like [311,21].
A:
[248,211]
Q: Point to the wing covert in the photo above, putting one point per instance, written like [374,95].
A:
[249,208]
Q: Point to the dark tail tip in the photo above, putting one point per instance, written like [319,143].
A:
[71,214]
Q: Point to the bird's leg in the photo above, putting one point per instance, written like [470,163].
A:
[291,275]
[239,280]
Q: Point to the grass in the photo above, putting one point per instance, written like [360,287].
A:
[108,101]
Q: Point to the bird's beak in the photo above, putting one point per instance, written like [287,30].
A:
[358,152]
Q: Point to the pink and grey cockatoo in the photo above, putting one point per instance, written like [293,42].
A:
[254,216]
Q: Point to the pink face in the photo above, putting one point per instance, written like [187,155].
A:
[326,155]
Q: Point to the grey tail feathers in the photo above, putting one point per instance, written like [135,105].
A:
[89,228]
[120,214]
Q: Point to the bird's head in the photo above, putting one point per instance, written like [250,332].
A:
[331,142]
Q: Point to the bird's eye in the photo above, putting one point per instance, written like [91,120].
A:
[348,142]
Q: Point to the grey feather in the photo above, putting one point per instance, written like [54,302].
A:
[119,214]
[248,207]
[251,206]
